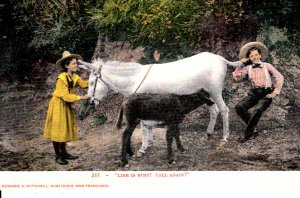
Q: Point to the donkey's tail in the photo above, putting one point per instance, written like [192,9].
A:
[120,118]
[234,64]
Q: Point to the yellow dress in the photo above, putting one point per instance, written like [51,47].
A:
[60,121]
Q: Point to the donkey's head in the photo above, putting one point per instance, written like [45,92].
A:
[98,88]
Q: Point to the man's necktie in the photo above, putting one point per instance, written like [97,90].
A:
[255,65]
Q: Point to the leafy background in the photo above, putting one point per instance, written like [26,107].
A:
[37,31]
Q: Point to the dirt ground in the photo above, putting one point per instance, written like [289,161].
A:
[23,147]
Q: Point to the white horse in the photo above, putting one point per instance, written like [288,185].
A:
[186,76]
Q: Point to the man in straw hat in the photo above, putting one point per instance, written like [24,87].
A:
[60,124]
[262,90]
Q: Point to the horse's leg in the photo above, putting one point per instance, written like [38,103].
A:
[169,137]
[146,131]
[150,136]
[217,97]
[213,112]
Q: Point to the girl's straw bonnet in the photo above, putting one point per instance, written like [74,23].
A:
[67,54]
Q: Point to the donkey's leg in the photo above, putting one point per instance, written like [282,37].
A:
[213,112]
[224,112]
[177,138]
[169,137]
[125,137]
[128,149]
[126,143]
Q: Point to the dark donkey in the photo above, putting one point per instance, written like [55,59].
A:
[169,108]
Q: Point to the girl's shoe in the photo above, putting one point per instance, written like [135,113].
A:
[61,160]
[70,157]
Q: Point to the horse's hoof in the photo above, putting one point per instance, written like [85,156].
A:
[222,143]
[140,154]
[150,144]
[208,136]
[134,156]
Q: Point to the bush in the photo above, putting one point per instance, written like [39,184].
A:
[43,30]
[278,41]
[174,28]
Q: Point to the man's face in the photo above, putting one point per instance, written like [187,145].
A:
[255,57]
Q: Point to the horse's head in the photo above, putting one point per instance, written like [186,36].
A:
[98,88]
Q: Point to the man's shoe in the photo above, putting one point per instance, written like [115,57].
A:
[61,160]
[70,157]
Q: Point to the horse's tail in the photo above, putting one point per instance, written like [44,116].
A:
[120,118]
[234,64]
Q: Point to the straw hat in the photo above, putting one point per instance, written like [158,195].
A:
[67,54]
[264,50]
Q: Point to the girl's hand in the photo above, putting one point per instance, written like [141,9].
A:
[85,97]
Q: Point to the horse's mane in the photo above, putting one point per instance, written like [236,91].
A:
[98,62]
[121,63]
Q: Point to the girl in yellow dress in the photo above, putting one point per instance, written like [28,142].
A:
[60,124]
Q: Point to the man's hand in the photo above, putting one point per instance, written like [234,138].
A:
[271,95]
[244,60]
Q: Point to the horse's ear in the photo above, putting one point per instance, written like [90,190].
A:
[98,61]
[85,65]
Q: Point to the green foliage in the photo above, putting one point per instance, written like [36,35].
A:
[43,29]
[171,27]
[100,119]
[228,93]
[13,51]
[58,25]
[38,29]
[280,13]
[159,21]
[85,109]
[278,41]
[279,27]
